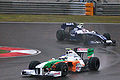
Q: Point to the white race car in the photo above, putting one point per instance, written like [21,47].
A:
[77,32]
[76,60]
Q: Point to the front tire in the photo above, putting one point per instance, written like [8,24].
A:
[93,63]
[114,42]
[63,68]
[33,64]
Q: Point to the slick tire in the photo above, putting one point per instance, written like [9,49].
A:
[107,35]
[33,64]
[60,35]
[93,63]
[63,68]
[114,42]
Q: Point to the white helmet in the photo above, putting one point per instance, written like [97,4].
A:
[80,25]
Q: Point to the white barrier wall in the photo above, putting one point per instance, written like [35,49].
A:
[34,7]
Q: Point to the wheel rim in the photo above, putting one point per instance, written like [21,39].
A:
[64,69]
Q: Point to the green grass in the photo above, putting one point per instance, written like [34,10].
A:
[58,18]
[4,51]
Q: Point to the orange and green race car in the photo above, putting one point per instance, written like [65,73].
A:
[75,60]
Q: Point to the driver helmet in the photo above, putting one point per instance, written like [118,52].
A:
[80,26]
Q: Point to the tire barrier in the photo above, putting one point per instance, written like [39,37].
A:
[35,7]
[89,9]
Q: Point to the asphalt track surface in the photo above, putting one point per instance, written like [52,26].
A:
[41,36]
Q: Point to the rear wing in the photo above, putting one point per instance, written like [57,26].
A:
[89,51]
[82,50]
[64,25]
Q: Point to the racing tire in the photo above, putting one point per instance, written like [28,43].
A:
[63,68]
[94,63]
[107,35]
[114,43]
[86,41]
[33,64]
[60,35]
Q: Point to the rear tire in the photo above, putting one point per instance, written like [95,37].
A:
[33,64]
[60,35]
[107,35]
[86,41]
[63,68]
[93,63]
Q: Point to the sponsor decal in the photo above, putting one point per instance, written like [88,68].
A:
[82,49]
[69,24]
[57,73]
[91,56]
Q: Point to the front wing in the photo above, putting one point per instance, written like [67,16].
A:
[34,72]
